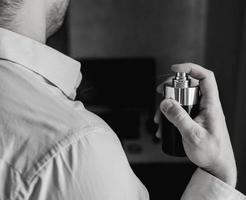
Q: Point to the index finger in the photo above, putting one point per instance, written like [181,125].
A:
[207,82]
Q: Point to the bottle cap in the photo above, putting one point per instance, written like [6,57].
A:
[181,90]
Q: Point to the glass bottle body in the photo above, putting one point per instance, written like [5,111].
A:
[172,143]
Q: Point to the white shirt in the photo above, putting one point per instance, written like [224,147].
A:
[52,148]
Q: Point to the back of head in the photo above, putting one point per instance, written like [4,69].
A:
[8,9]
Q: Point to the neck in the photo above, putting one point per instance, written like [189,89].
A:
[30,21]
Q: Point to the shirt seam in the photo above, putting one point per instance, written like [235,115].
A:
[55,151]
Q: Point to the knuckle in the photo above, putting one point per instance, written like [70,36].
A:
[195,135]
[177,114]
[211,74]
[179,117]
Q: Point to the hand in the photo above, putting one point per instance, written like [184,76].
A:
[205,138]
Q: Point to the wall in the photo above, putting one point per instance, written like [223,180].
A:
[171,31]
[240,109]
[223,38]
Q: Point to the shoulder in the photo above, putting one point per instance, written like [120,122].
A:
[92,166]
[36,126]
[74,164]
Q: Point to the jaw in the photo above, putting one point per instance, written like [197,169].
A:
[55,16]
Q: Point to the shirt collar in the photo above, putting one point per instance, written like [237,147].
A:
[59,69]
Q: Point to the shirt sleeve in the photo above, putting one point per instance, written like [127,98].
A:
[92,168]
[204,186]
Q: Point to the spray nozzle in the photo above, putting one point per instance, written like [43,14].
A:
[181,80]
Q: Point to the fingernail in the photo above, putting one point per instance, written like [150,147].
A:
[166,105]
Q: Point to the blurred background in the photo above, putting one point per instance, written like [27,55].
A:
[126,48]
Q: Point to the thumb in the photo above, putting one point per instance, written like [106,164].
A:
[179,117]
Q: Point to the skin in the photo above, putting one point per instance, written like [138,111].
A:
[46,18]
[205,138]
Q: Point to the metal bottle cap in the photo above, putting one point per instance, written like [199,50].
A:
[181,90]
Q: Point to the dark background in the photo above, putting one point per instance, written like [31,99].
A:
[160,33]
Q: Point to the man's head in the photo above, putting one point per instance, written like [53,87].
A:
[28,17]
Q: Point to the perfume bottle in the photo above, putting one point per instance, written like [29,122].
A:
[187,95]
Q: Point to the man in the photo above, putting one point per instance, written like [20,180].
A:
[52,148]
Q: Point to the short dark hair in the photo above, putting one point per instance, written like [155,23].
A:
[8,10]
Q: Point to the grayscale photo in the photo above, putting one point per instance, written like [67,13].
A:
[122,100]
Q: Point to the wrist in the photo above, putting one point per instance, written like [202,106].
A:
[229,175]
